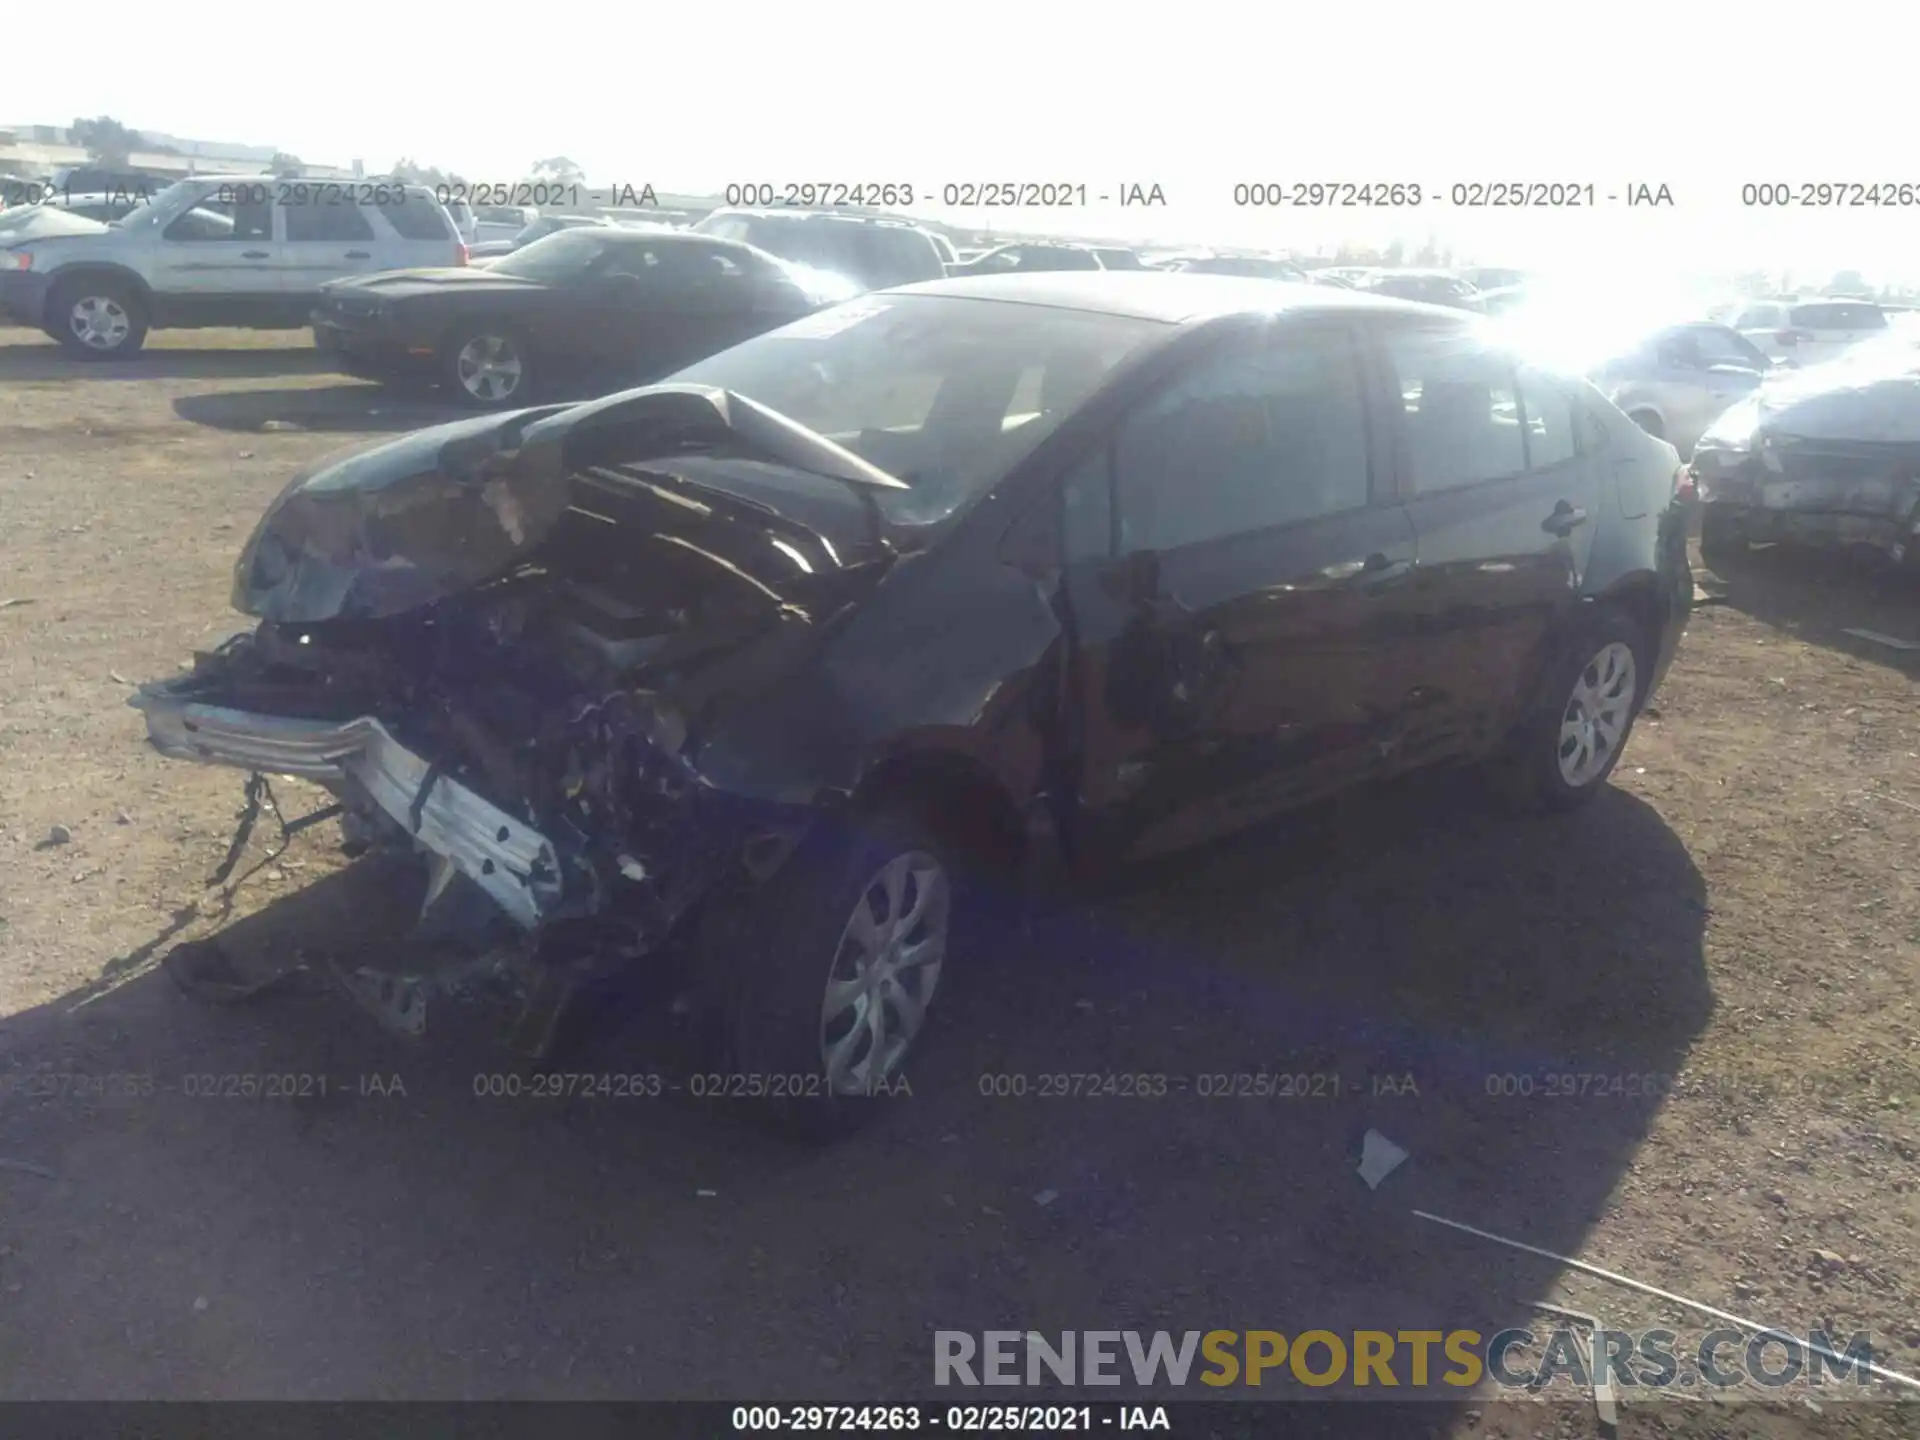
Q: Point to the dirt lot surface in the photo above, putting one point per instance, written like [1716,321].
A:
[1720,954]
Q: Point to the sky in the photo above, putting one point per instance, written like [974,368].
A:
[1703,98]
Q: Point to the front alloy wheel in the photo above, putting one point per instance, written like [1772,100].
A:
[99,322]
[884,972]
[96,320]
[1594,723]
[490,370]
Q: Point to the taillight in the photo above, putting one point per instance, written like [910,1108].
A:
[465,254]
[1787,337]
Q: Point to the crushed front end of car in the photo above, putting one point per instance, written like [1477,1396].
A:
[500,643]
[1829,457]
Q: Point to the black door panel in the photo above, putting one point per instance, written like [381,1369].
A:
[1235,647]
[1503,499]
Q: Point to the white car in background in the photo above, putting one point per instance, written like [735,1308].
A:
[465,224]
[240,250]
[1809,332]
[501,222]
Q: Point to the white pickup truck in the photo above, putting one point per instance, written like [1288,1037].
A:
[232,250]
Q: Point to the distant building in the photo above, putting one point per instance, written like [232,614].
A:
[36,151]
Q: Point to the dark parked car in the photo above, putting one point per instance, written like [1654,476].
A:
[536,229]
[873,254]
[1028,257]
[803,664]
[1829,456]
[602,302]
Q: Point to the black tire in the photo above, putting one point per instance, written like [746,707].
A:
[1649,422]
[774,1031]
[1721,542]
[507,343]
[1534,772]
[116,303]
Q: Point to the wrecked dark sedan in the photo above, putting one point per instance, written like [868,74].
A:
[596,304]
[811,660]
[1829,457]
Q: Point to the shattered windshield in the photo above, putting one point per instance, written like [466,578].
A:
[947,393]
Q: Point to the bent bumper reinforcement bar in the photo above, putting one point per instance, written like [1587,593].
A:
[510,860]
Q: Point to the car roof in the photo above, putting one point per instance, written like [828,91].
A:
[1174,298]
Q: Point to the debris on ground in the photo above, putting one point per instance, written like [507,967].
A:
[1379,1158]
[29,1168]
[1046,1198]
[205,971]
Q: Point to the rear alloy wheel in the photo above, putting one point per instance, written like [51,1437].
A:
[97,319]
[832,990]
[1566,751]
[489,368]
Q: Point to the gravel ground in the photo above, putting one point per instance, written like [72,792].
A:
[1734,920]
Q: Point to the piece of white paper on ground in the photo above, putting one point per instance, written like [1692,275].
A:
[1379,1158]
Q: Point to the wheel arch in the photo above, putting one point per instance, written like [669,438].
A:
[956,794]
[1639,597]
[102,269]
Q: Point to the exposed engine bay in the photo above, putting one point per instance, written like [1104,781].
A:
[534,734]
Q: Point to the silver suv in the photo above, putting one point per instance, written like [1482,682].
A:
[241,250]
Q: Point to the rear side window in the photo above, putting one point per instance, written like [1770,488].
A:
[417,217]
[1246,443]
[323,219]
[1838,317]
[1460,410]
[1552,435]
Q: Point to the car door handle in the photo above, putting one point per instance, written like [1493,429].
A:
[253,254]
[1564,520]
[359,254]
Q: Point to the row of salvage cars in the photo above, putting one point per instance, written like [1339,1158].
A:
[793,675]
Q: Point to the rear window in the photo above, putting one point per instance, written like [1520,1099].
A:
[417,217]
[1838,317]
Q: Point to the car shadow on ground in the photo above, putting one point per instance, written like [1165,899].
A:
[1471,986]
[1816,595]
[348,406]
[46,361]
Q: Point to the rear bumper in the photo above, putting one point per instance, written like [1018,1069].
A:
[1675,573]
[511,861]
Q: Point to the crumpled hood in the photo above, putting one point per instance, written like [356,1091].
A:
[1871,400]
[402,523]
